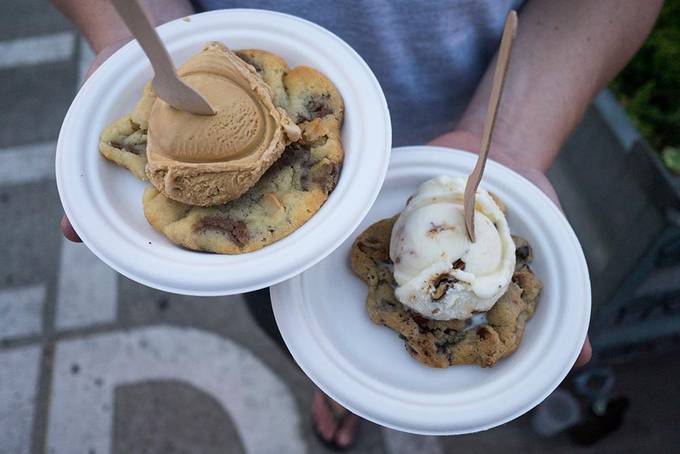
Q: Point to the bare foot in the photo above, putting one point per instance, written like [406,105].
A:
[332,422]
[68,230]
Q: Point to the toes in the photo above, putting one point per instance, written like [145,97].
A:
[346,434]
[68,230]
[323,418]
[585,355]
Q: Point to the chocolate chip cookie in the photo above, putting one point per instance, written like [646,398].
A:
[483,339]
[288,194]
[124,141]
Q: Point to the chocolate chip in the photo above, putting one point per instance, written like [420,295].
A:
[441,285]
[327,176]
[458,265]
[250,61]
[304,179]
[298,155]
[137,149]
[235,229]
[483,333]
[386,302]
[522,252]
[437,228]
[453,337]
[366,248]
[295,154]
[422,322]
[318,106]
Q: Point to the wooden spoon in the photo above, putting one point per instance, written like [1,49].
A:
[166,84]
[475,177]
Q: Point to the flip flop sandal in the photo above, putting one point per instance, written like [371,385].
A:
[340,417]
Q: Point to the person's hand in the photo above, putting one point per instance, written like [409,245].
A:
[519,163]
[66,227]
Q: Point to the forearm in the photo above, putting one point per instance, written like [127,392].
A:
[564,53]
[101,26]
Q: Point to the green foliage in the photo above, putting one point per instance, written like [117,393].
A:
[671,157]
[649,87]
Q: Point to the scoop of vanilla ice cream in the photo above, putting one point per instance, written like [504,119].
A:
[440,273]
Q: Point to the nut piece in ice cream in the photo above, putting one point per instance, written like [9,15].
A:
[439,272]
[213,159]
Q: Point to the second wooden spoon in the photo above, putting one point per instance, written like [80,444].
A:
[475,177]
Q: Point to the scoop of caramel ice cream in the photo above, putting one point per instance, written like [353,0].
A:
[212,159]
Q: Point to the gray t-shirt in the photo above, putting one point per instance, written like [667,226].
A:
[427,55]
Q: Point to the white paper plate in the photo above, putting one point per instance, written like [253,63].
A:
[104,202]
[322,317]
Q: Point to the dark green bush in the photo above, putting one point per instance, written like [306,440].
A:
[649,87]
